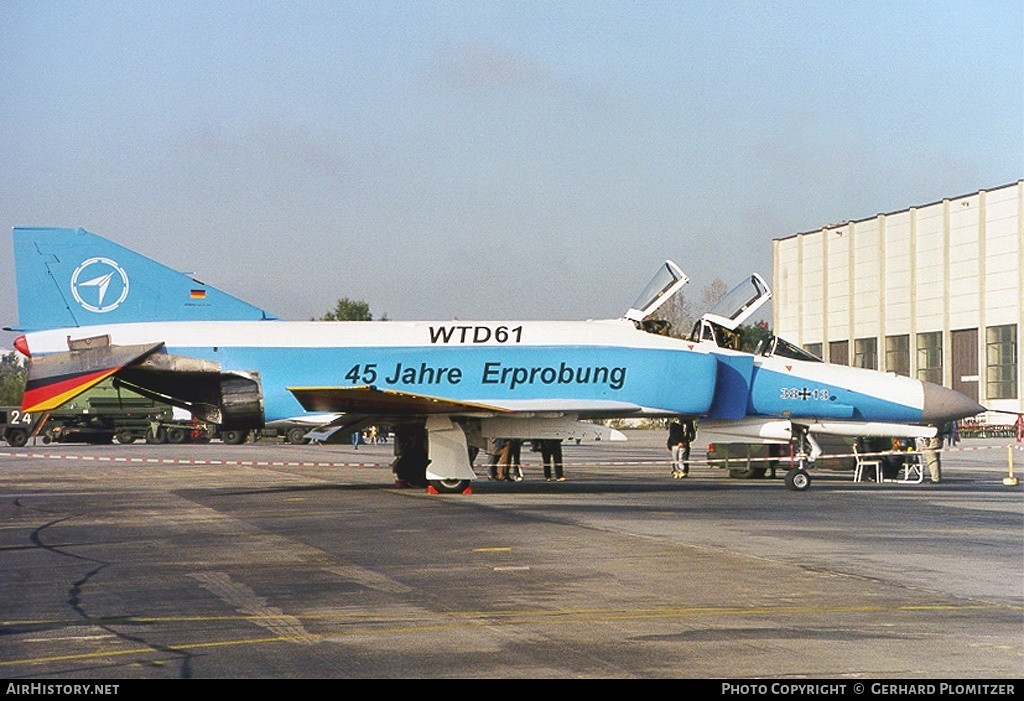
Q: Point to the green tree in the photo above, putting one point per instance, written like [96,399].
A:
[753,334]
[12,379]
[350,310]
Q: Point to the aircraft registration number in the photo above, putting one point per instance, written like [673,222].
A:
[805,394]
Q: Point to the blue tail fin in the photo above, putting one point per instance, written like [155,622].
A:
[69,277]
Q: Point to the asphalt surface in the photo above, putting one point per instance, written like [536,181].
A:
[277,561]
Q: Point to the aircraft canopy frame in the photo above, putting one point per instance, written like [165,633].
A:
[668,279]
[739,303]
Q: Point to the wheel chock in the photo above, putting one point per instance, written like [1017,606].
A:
[431,490]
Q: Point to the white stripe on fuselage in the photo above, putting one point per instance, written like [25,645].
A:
[365,334]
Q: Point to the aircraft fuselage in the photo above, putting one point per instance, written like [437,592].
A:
[589,367]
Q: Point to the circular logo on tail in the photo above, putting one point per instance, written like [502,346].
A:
[99,285]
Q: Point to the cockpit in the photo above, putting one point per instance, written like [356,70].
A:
[776,346]
[721,323]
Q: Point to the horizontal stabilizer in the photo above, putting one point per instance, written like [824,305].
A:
[367,399]
[58,378]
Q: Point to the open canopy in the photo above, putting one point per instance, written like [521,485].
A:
[667,280]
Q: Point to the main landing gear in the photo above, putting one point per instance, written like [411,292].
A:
[450,486]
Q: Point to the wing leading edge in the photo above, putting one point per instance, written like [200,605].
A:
[368,399]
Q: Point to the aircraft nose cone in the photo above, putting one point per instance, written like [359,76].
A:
[942,405]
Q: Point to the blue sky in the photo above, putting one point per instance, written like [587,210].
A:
[491,159]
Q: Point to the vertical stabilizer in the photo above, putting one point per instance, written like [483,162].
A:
[70,277]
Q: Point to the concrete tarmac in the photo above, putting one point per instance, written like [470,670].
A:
[278,561]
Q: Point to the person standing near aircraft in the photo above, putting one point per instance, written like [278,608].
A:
[931,453]
[680,436]
[551,455]
[515,448]
[504,446]
[493,456]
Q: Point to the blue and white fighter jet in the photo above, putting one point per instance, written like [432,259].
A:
[91,309]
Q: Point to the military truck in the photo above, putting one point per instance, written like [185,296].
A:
[102,415]
[16,425]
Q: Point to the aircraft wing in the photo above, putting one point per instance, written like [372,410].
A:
[362,405]
[367,399]
[371,400]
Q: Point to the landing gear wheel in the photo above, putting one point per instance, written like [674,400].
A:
[798,479]
[158,436]
[175,435]
[234,437]
[449,486]
[125,437]
[296,436]
[17,437]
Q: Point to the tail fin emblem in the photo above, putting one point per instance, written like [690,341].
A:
[102,281]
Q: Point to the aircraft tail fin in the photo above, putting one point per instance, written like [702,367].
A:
[70,277]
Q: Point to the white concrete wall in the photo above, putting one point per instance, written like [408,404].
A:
[945,266]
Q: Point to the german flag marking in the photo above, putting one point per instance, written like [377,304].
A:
[49,396]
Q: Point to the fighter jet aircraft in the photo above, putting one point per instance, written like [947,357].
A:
[91,309]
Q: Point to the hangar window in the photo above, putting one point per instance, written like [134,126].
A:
[839,352]
[1001,361]
[897,354]
[929,357]
[865,353]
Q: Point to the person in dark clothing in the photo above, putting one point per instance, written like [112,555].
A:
[551,455]
[680,436]
[515,469]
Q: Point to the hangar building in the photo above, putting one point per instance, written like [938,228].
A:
[933,292]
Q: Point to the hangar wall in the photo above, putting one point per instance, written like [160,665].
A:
[933,291]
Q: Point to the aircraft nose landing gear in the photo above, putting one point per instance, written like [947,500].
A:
[798,479]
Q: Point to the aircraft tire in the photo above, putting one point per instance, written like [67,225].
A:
[296,436]
[17,437]
[798,480]
[125,437]
[450,486]
[234,437]
[158,436]
[176,435]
